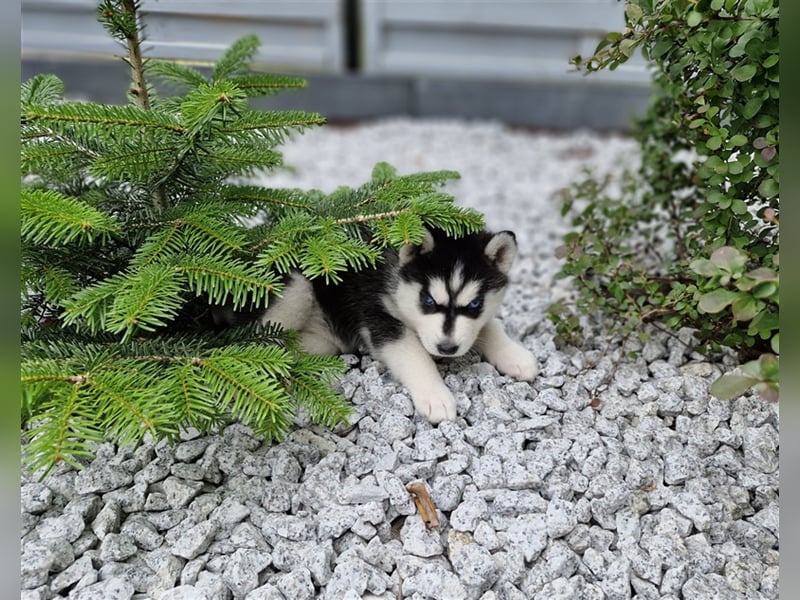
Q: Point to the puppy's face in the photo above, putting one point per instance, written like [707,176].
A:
[450,288]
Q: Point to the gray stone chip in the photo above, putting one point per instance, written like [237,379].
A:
[614,475]
[194,540]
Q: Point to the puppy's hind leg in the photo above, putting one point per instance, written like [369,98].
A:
[316,336]
[297,309]
[414,368]
[292,309]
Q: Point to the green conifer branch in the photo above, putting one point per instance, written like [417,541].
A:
[88,308]
[273,125]
[122,20]
[278,204]
[319,259]
[58,283]
[199,231]
[312,382]
[262,84]
[220,101]
[50,218]
[232,280]
[364,218]
[148,299]
[216,235]
[63,429]
[136,242]
[247,379]
[55,157]
[236,59]
[132,405]
[140,163]
[140,89]
[242,160]
[407,228]
[175,73]
[196,403]
[68,118]
[42,89]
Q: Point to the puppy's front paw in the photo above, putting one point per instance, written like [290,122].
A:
[516,361]
[436,404]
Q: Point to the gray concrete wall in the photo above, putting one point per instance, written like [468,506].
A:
[295,35]
[504,60]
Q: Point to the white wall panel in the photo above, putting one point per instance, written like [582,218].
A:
[297,35]
[523,39]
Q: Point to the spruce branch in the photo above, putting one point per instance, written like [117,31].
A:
[312,384]
[274,125]
[248,380]
[88,308]
[86,119]
[251,84]
[219,101]
[332,251]
[279,248]
[175,73]
[261,84]
[236,59]
[144,167]
[196,403]
[235,159]
[58,283]
[50,218]
[64,429]
[138,242]
[121,18]
[407,228]
[232,281]
[211,229]
[277,202]
[55,156]
[42,89]
[199,231]
[140,89]
[133,404]
[369,218]
[149,299]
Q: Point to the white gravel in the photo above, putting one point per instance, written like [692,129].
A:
[654,490]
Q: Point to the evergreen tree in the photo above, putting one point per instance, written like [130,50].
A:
[135,234]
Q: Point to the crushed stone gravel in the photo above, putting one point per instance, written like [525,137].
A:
[608,477]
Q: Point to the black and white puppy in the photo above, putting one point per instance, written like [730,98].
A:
[439,298]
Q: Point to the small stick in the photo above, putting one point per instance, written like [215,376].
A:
[424,503]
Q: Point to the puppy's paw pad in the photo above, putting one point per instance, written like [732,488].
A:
[517,362]
[437,405]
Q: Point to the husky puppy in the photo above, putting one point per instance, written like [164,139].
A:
[439,298]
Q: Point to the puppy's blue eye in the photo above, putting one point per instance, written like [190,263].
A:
[427,299]
[475,304]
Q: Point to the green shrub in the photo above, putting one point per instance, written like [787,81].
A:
[134,233]
[691,239]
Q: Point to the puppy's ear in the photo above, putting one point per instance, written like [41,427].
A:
[502,249]
[410,251]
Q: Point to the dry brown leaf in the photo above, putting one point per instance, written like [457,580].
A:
[425,506]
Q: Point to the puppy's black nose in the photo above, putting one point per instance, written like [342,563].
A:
[447,348]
